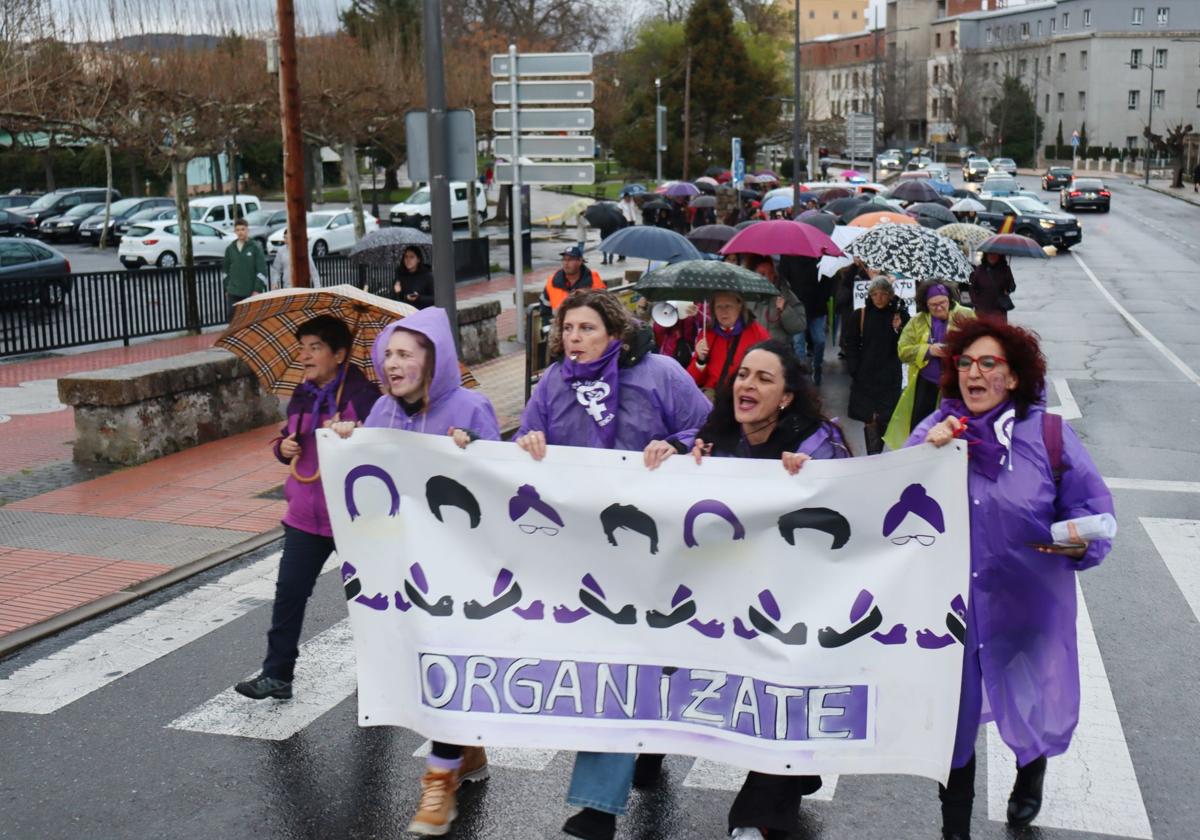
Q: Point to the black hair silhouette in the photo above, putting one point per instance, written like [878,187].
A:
[441,490]
[627,516]
[818,519]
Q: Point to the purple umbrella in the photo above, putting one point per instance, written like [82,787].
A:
[782,237]
[682,188]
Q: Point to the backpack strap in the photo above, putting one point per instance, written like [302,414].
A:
[1052,436]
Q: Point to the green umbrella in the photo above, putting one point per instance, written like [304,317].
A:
[701,279]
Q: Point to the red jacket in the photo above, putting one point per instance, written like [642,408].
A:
[719,349]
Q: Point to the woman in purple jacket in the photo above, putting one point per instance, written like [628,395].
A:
[1026,471]
[418,366]
[330,389]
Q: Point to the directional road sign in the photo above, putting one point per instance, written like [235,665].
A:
[549,147]
[739,170]
[548,173]
[546,119]
[544,93]
[545,64]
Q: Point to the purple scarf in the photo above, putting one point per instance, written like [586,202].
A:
[988,436]
[732,332]
[324,397]
[937,334]
[597,390]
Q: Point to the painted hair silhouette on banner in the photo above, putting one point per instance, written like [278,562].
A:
[710,506]
[915,500]
[617,516]
[818,519]
[528,499]
[363,471]
[441,490]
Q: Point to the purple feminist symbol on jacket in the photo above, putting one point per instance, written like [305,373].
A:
[710,506]
[915,500]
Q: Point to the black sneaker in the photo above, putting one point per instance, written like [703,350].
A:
[647,770]
[591,824]
[260,688]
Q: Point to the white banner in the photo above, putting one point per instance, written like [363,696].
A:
[793,625]
[904,287]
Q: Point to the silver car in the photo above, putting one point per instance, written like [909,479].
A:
[1008,166]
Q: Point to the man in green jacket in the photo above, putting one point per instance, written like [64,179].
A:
[245,268]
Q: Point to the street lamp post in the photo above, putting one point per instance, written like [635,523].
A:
[1150,116]
[796,120]
[658,130]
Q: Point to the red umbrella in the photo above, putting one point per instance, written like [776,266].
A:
[783,237]
[833,194]
[725,177]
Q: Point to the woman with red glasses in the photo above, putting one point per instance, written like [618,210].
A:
[1027,470]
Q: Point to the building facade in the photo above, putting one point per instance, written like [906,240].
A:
[819,18]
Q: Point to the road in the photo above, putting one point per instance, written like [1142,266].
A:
[125,727]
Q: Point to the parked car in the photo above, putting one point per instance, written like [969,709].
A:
[14,224]
[220,211]
[938,171]
[118,212]
[31,271]
[153,214]
[890,159]
[1057,177]
[18,200]
[1033,219]
[60,201]
[975,169]
[65,228]
[1085,192]
[999,185]
[157,243]
[918,162]
[265,222]
[1006,165]
[415,210]
[329,232]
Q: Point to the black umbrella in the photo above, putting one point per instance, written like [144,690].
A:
[704,201]
[706,187]
[657,204]
[710,238]
[840,205]
[386,246]
[700,279]
[914,191]
[824,222]
[746,224]
[714,171]
[932,210]
[862,209]
[834,194]
[748,195]
[604,215]
[651,243]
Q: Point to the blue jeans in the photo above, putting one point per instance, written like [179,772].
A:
[303,556]
[814,332]
[602,781]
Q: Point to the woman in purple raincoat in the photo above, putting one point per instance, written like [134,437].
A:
[417,364]
[608,390]
[1026,471]
[771,411]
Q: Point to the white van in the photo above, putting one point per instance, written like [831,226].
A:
[218,210]
[415,210]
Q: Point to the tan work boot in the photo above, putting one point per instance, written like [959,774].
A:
[474,765]
[438,807]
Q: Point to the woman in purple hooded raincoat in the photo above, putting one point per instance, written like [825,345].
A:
[608,390]
[1026,471]
[417,364]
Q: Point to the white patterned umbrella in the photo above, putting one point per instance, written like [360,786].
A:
[912,251]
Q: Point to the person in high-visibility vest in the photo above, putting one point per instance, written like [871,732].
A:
[573,275]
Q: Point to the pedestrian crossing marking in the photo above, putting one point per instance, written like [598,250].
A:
[325,676]
[45,686]
[714,775]
[516,758]
[1178,543]
[1093,786]
[1067,408]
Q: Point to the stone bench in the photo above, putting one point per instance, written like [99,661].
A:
[477,332]
[135,413]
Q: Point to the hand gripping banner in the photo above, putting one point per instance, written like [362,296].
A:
[792,625]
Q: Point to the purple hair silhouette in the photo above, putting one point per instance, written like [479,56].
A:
[362,471]
[527,498]
[710,506]
[914,500]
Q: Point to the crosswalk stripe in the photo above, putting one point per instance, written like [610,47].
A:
[517,758]
[1093,786]
[713,775]
[1178,542]
[325,676]
[44,686]
[1067,408]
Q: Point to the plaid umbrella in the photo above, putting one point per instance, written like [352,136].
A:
[386,246]
[700,279]
[968,236]
[1012,245]
[912,251]
[263,330]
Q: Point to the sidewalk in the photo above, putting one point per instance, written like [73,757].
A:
[1184,194]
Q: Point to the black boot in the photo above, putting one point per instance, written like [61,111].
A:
[591,824]
[958,796]
[647,770]
[873,438]
[1026,798]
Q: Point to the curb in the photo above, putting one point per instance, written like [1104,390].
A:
[1167,191]
[55,624]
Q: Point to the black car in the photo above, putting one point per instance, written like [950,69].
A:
[60,201]
[1056,177]
[118,212]
[32,272]
[1032,219]
[1085,192]
[65,228]
[14,224]
[14,202]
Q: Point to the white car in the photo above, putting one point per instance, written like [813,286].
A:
[157,243]
[329,231]
[415,211]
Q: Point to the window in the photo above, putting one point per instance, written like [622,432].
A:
[1083,100]
[1135,97]
[1131,141]
[216,214]
[1083,59]
[1136,20]
[1039,29]
[954,39]
[1160,58]
[1024,31]
[1135,59]
[1160,98]
[1062,62]
[933,108]
[1163,14]
[14,253]
[857,49]
[1062,101]
[854,14]
[996,69]
[1066,21]
[937,40]
[1053,25]
[1087,18]
[835,14]
[1198,99]
[1046,107]
[1022,67]
[989,36]
[936,74]
[1037,66]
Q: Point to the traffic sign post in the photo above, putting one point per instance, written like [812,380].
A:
[543,93]
[547,173]
[1074,150]
[735,145]
[544,64]
[579,146]
[546,119]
